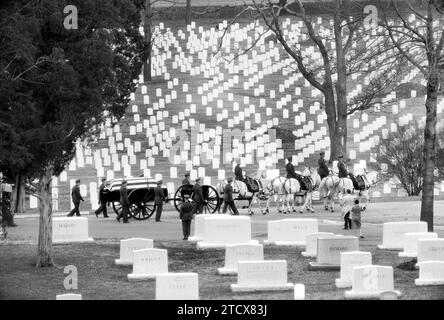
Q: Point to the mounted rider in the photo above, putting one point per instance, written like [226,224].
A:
[238,175]
[359,182]
[291,174]
[322,166]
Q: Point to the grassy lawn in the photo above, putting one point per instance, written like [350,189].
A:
[100,278]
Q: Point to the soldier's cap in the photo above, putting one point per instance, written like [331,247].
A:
[159,182]
[103,179]
[322,153]
[124,181]
[230,179]
[197,179]
[78,181]
[187,174]
[290,158]
[341,156]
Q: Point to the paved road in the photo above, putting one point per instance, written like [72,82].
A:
[170,227]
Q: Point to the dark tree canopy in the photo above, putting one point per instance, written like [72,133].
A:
[58,85]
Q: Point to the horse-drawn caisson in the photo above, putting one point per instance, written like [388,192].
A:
[284,191]
[141,196]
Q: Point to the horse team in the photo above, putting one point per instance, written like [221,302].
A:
[289,192]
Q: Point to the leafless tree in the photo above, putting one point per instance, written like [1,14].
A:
[401,151]
[343,51]
[417,33]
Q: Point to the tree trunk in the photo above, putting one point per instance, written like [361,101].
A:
[18,195]
[341,84]
[188,13]
[330,110]
[44,253]
[148,36]
[429,154]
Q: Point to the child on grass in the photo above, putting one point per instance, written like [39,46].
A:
[356,218]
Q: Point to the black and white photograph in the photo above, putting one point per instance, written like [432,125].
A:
[222,154]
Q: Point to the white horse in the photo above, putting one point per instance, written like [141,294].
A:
[292,187]
[332,186]
[371,179]
[240,192]
[315,183]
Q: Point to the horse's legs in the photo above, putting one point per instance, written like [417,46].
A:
[250,202]
[290,200]
[283,201]
[304,205]
[332,202]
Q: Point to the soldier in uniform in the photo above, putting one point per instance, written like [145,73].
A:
[186,180]
[186,215]
[289,167]
[159,199]
[238,172]
[76,198]
[228,198]
[322,163]
[343,173]
[124,202]
[198,197]
[102,200]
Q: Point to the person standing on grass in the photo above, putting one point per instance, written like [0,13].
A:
[347,204]
[159,199]
[228,198]
[76,198]
[124,202]
[356,218]
[102,200]
[186,215]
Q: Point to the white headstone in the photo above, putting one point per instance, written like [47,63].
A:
[199,226]
[370,282]
[220,230]
[299,291]
[430,273]
[69,296]
[70,229]
[430,250]
[393,233]
[177,286]
[290,231]
[311,243]
[127,246]
[240,252]
[147,263]
[262,275]
[329,251]
[348,261]
[411,242]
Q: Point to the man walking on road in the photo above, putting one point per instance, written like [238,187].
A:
[228,198]
[102,200]
[124,202]
[76,198]
[159,199]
